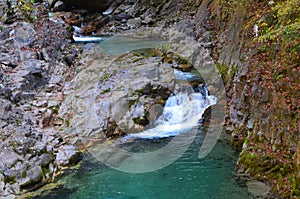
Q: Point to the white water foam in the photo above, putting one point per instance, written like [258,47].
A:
[87,39]
[181,113]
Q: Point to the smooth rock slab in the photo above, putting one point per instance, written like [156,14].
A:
[258,189]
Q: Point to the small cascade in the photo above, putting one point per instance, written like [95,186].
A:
[78,37]
[181,113]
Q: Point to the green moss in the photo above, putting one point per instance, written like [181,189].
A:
[10,180]
[54,109]
[24,174]
[45,170]
[223,70]
[233,70]
[105,91]
[104,77]
[249,159]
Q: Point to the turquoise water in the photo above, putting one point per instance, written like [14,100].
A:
[118,45]
[189,177]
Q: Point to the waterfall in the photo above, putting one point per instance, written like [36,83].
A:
[181,113]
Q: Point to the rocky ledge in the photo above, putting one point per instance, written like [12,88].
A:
[35,62]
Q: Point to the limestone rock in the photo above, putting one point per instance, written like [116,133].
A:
[258,189]
[24,34]
[68,155]
[8,158]
[33,176]
[134,23]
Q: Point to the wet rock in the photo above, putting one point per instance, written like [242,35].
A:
[68,155]
[59,6]
[134,23]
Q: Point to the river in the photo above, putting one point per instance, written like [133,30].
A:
[189,177]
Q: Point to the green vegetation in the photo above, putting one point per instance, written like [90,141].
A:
[105,91]
[227,72]
[26,7]
[281,26]
[273,58]
[223,69]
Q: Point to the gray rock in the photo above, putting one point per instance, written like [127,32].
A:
[24,34]
[33,176]
[148,21]
[8,157]
[122,16]
[134,23]
[53,103]
[8,197]
[59,6]
[123,83]
[46,159]
[5,92]
[42,103]
[2,185]
[258,189]
[68,155]
[40,147]
[11,190]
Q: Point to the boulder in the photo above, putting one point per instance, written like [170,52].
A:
[68,155]
[134,23]
[33,176]
[8,158]
[120,95]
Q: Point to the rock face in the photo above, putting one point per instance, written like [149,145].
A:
[119,96]
[263,104]
[32,72]
[91,5]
